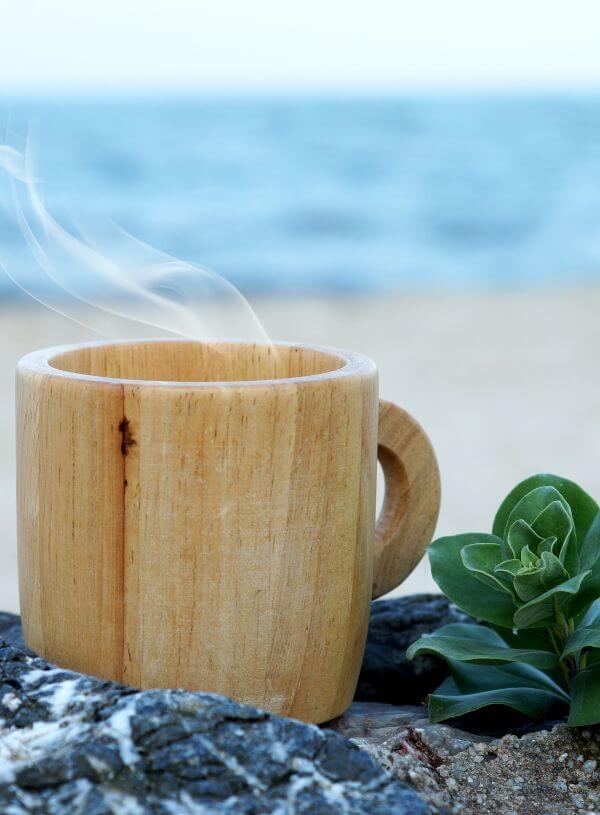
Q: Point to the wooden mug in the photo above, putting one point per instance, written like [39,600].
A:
[202,515]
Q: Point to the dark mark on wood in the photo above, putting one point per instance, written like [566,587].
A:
[127,439]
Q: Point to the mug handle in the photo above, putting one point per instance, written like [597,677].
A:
[412,497]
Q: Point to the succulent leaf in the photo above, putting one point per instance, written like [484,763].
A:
[583,506]
[465,642]
[462,587]
[531,505]
[590,559]
[554,520]
[481,559]
[535,581]
[591,616]
[528,559]
[510,567]
[521,687]
[590,549]
[448,702]
[586,636]
[540,612]
[505,572]
[521,535]
[547,545]
[585,698]
[536,638]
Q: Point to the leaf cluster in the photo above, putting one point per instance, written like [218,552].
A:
[536,581]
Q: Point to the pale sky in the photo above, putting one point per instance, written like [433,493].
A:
[56,45]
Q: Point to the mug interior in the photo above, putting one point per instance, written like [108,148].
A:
[195,361]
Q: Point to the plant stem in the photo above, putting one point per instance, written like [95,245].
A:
[565,672]
[558,637]
[561,663]
[561,621]
[554,641]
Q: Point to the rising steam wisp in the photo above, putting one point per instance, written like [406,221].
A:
[106,279]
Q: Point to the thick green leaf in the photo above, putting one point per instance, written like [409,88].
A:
[586,636]
[547,545]
[588,619]
[506,570]
[556,520]
[536,704]
[590,549]
[471,678]
[590,559]
[583,507]
[530,584]
[448,702]
[553,571]
[528,558]
[462,587]
[540,612]
[593,657]
[465,642]
[536,638]
[532,504]
[481,559]
[521,535]
[585,698]
[591,616]
[509,567]
[588,593]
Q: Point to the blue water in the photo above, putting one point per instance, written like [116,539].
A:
[336,194]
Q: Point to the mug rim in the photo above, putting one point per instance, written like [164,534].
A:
[353,363]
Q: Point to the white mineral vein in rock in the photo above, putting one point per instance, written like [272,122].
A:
[26,744]
[11,702]
[186,806]
[124,804]
[38,673]
[119,725]
[61,695]
[279,753]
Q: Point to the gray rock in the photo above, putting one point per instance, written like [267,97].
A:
[403,728]
[72,744]
[10,628]
[386,675]
[411,766]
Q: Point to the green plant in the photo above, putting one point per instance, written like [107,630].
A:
[536,581]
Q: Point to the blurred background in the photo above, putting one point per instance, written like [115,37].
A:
[419,181]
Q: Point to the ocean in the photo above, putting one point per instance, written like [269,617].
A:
[329,194]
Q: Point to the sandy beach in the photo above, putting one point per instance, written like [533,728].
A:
[505,384]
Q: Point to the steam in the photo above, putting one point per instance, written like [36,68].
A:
[106,279]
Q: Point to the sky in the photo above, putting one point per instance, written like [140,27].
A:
[70,45]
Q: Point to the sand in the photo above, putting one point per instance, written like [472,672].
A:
[505,384]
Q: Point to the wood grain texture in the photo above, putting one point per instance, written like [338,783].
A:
[202,515]
[70,474]
[412,497]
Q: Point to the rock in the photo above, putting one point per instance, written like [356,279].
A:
[393,725]
[10,628]
[411,767]
[75,744]
[386,675]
